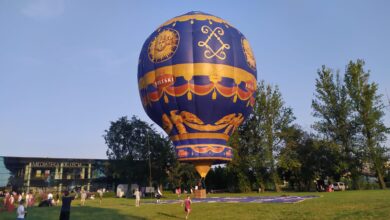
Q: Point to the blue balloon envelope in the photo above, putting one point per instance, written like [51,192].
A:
[197,80]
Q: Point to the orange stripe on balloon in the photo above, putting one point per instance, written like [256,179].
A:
[181,90]
[202,89]
[243,94]
[187,136]
[171,90]
[226,91]
[204,158]
[201,145]
[154,96]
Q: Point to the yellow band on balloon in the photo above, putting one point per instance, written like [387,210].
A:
[204,158]
[199,17]
[200,136]
[188,70]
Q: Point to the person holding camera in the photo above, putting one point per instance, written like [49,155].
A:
[65,208]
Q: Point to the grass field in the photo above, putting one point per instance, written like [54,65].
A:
[370,204]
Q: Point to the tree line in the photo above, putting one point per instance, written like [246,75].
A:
[347,142]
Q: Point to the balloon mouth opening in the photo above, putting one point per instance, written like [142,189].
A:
[203,167]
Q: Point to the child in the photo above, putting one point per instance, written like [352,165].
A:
[187,206]
[20,212]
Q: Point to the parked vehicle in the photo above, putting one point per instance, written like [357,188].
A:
[339,186]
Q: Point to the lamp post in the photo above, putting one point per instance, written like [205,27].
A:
[150,164]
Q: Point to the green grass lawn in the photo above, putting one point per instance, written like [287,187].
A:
[370,204]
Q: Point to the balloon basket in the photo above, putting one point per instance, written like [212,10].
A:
[200,193]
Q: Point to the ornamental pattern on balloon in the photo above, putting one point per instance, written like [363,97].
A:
[178,119]
[163,85]
[189,152]
[216,52]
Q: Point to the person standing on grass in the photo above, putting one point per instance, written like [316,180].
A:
[83,196]
[20,211]
[187,206]
[178,192]
[50,198]
[100,192]
[65,208]
[57,199]
[137,197]
[27,199]
[158,195]
[11,201]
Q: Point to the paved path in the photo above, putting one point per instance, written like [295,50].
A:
[249,199]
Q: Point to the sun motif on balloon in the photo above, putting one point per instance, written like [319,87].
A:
[163,46]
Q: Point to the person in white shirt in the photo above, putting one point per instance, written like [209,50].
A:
[50,198]
[158,195]
[100,192]
[83,196]
[137,195]
[20,212]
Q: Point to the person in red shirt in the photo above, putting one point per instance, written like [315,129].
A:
[11,205]
[187,206]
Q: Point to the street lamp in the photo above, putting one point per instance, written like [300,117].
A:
[150,164]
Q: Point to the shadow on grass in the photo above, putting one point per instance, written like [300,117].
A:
[168,215]
[76,213]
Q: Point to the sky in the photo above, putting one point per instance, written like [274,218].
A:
[69,68]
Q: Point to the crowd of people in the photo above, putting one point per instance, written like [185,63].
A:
[12,198]
[19,202]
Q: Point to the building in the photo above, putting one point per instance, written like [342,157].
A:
[56,174]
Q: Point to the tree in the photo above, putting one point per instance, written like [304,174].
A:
[305,159]
[238,171]
[290,163]
[262,133]
[368,107]
[333,108]
[130,144]
[182,175]
[162,158]
[217,178]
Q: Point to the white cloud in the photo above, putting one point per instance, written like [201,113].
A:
[43,8]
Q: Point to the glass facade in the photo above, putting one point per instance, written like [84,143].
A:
[31,173]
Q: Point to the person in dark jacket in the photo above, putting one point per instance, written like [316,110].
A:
[65,208]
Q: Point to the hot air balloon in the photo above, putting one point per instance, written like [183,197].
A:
[197,79]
